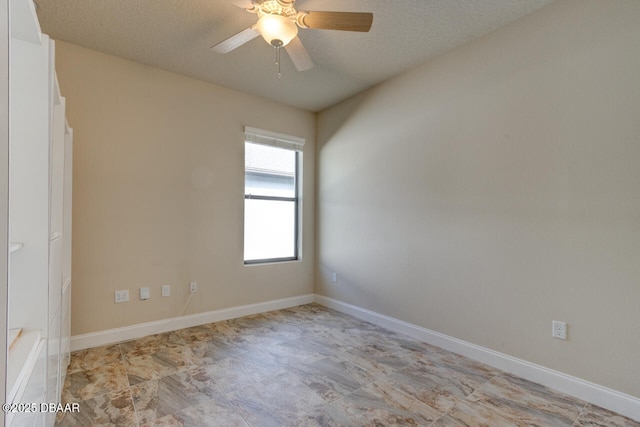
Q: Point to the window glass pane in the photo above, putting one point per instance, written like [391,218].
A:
[269,229]
[269,171]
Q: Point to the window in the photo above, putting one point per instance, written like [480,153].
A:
[271,196]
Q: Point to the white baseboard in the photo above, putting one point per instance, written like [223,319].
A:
[111,336]
[613,400]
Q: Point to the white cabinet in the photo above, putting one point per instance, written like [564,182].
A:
[65,320]
[40,178]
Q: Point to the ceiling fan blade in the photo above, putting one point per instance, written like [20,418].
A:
[243,4]
[299,55]
[236,40]
[344,21]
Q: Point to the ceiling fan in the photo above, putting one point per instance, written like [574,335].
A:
[278,22]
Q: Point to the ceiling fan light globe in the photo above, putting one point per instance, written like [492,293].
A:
[277,27]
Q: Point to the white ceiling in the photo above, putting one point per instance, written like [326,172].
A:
[176,35]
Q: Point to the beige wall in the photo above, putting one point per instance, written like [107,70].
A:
[497,188]
[158,191]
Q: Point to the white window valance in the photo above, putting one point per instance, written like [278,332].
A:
[274,139]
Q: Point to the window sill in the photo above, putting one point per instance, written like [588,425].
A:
[271,261]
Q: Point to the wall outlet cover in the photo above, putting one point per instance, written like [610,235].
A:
[559,330]
[145,293]
[122,296]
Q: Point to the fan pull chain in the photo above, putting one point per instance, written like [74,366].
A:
[278,60]
[277,44]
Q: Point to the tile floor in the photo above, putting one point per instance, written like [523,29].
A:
[305,366]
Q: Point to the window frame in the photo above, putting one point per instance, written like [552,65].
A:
[286,142]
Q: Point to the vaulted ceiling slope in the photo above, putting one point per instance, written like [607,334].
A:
[176,35]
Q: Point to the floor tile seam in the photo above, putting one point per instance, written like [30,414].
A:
[95,396]
[412,398]
[356,365]
[226,390]
[499,376]
[128,356]
[368,382]
[123,354]
[483,402]
[583,410]
[302,383]
[135,412]
[506,377]
[387,404]
[228,405]
[467,398]
[214,384]
[178,371]
[169,413]
[433,423]
[300,380]
[182,349]
[138,411]
[340,394]
[94,368]
[133,401]
[238,408]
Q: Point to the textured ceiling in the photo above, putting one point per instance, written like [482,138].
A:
[176,35]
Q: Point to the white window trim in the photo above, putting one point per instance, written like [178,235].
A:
[274,139]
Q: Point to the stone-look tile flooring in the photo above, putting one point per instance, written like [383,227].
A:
[305,366]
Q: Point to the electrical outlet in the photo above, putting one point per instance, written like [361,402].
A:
[559,330]
[334,277]
[166,290]
[122,296]
[144,294]
[193,287]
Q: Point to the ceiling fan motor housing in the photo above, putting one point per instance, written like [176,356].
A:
[277,7]
[277,30]
[277,21]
